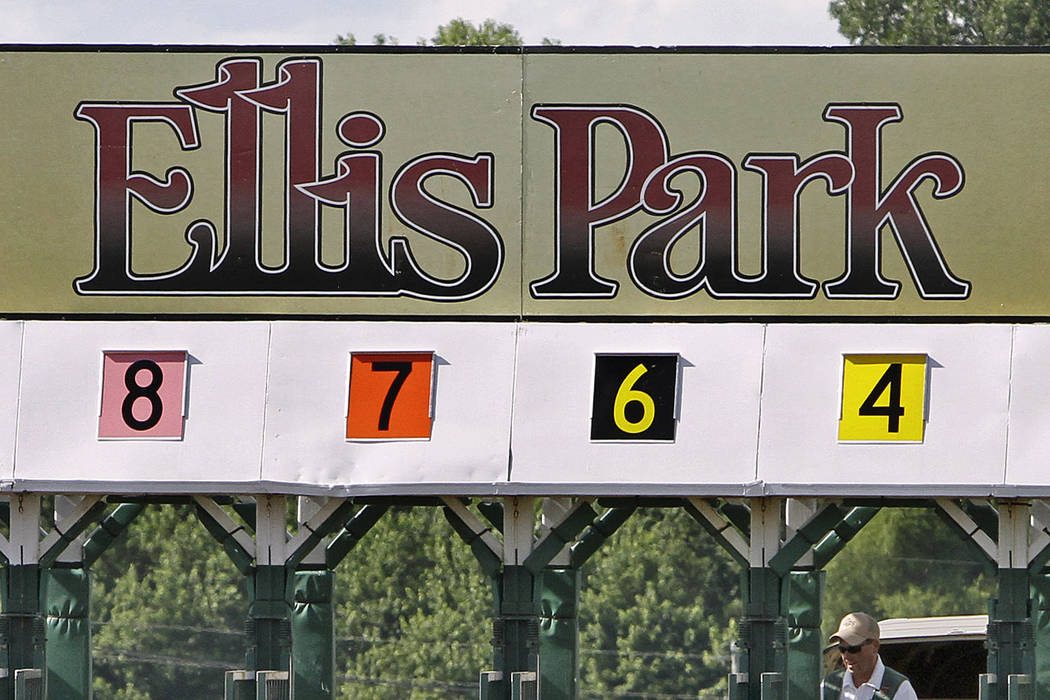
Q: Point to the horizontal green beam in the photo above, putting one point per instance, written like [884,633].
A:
[410,501]
[639,502]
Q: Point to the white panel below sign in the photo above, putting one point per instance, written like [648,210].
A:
[305,440]
[967,403]
[11,357]
[721,370]
[1028,459]
[59,404]
[507,408]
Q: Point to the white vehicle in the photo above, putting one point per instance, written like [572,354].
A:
[942,656]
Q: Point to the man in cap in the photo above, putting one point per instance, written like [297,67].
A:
[865,676]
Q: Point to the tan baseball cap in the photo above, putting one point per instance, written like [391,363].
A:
[856,628]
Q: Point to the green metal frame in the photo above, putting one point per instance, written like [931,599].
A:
[290,625]
[46,603]
[534,608]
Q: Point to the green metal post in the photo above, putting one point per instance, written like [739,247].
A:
[490,685]
[517,625]
[763,629]
[802,596]
[1041,629]
[313,635]
[67,605]
[22,637]
[268,625]
[239,685]
[559,633]
[269,628]
[531,580]
[66,587]
[523,686]
[1011,641]
[1019,687]
[21,624]
[737,686]
[986,686]
[772,686]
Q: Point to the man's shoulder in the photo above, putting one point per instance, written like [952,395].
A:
[892,680]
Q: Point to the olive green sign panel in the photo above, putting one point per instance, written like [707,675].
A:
[524,183]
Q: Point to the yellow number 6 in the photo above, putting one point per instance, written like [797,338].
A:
[625,395]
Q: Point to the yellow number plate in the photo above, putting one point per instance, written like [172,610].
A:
[883,398]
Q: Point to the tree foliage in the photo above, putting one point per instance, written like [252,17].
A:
[169,610]
[349,39]
[413,609]
[942,22]
[458,32]
[655,611]
[906,563]
[461,32]
[413,617]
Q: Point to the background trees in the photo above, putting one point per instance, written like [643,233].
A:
[656,611]
[413,614]
[942,22]
[168,611]
[458,32]
[413,621]
[906,563]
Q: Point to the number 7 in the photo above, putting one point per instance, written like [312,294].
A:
[403,369]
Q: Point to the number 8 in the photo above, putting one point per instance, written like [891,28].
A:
[137,391]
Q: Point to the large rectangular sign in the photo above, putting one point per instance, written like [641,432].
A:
[494,408]
[524,183]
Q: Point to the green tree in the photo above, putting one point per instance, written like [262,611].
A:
[656,606]
[461,32]
[349,39]
[906,563]
[458,32]
[655,611]
[942,22]
[169,610]
[413,611]
[413,617]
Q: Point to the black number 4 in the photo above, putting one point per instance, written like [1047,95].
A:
[890,379]
[403,369]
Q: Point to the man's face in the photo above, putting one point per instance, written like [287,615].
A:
[861,663]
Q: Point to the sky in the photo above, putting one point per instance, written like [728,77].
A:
[314,22]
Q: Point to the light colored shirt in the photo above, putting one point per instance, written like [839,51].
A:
[866,691]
